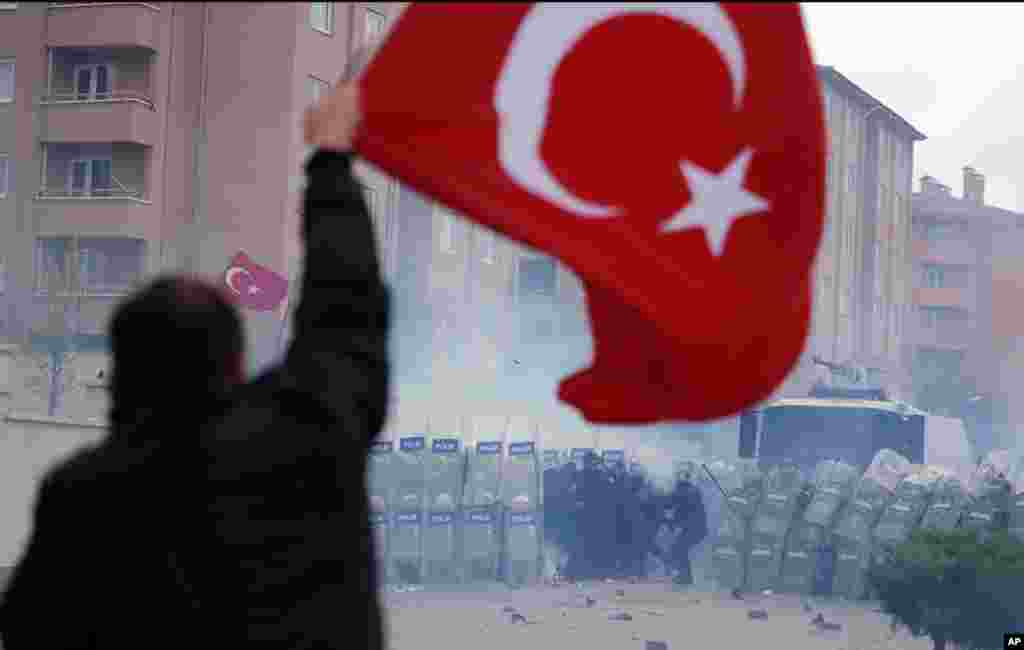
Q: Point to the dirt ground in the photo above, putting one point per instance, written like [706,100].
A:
[559,617]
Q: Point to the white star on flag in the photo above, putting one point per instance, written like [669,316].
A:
[717,200]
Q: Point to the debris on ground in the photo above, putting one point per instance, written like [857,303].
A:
[620,592]
[655,645]
[620,616]
[820,623]
[737,594]
[767,592]
[756,614]
[807,607]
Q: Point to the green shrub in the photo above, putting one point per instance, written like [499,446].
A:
[959,586]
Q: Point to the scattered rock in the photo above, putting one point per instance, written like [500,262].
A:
[620,616]
[756,614]
[767,592]
[509,609]
[807,607]
[620,592]
[655,645]
[737,594]
[590,601]
[517,618]
[820,623]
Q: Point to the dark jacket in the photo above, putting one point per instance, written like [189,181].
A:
[242,522]
[691,517]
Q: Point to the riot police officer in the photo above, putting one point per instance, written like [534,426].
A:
[691,521]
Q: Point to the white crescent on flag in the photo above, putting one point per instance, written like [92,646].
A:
[547,34]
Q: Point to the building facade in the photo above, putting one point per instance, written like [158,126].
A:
[963,345]
[148,136]
[862,274]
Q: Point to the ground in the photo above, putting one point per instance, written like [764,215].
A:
[558,617]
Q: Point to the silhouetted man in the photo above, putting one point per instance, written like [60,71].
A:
[692,522]
[218,513]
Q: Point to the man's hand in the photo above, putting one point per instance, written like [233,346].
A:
[332,123]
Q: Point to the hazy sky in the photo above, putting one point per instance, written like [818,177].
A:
[954,71]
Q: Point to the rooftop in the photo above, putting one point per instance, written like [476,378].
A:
[947,206]
[843,84]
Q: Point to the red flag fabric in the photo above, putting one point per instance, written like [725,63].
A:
[254,286]
[671,154]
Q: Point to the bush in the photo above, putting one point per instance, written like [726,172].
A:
[960,586]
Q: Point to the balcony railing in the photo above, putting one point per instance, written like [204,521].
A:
[113,97]
[91,194]
[119,191]
[73,5]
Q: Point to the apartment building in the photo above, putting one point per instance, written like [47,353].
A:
[137,137]
[862,274]
[964,344]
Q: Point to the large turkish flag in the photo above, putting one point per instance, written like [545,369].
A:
[671,154]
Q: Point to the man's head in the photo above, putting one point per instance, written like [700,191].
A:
[177,339]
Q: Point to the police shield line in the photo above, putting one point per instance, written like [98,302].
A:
[444,514]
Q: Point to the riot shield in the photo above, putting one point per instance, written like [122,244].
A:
[947,505]
[904,512]
[380,487]
[578,455]
[989,493]
[406,539]
[480,512]
[445,467]
[786,494]
[520,487]
[551,459]
[742,487]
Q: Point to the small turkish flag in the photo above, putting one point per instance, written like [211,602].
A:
[253,286]
[672,154]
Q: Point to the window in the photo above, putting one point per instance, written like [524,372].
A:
[938,230]
[317,89]
[6,81]
[92,81]
[89,177]
[111,264]
[449,229]
[934,276]
[486,242]
[932,317]
[3,276]
[105,264]
[373,28]
[8,6]
[321,16]
[851,179]
[537,276]
[5,175]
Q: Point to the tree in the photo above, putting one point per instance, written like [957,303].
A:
[51,346]
[957,587]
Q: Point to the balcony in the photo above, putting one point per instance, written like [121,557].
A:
[96,190]
[944,251]
[953,298]
[103,24]
[97,96]
[950,335]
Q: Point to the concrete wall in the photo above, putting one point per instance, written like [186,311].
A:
[29,445]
